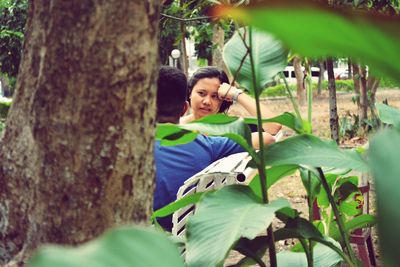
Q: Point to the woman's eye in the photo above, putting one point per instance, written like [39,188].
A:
[215,97]
[201,93]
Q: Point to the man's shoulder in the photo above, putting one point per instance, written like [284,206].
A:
[212,139]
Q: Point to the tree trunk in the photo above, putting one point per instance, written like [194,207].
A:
[184,59]
[372,87]
[333,115]
[77,150]
[301,92]
[349,68]
[321,76]
[218,41]
[363,111]
[356,81]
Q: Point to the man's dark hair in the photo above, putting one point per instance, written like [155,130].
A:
[171,93]
[210,72]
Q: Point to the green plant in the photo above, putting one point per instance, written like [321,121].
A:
[277,90]
[2,125]
[123,247]
[280,89]
[388,83]
[4,107]
[349,125]
[13,15]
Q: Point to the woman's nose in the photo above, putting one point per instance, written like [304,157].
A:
[206,100]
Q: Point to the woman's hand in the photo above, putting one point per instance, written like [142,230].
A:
[226,92]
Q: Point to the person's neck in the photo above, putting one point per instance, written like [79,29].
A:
[168,119]
[187,118]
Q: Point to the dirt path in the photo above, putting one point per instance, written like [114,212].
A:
[291,187]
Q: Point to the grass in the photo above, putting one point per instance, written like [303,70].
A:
[341,86]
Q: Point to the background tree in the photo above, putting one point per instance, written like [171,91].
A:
[333,115]
[190,19]
[12,21]
[169,31]
[301,91]
[77,149]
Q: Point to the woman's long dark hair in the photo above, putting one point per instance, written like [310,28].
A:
[210,72]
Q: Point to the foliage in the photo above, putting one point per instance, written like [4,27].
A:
[384,154]
[2,125]
[280,89]
[200,28]
[389,115]
[294,24]
[170,33]
[387,83]
[271,58]
[217,223]
[322,257]
[121,247]
[4,107]
[349,125]
[277,90]
[13,15]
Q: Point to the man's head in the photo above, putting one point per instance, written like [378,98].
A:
[171,94]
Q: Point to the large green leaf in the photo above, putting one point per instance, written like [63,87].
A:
[269,56]
[219,124]
[318,31]
[311,151]
[311,183]
[287,119]
[122,247]
[173,134]
[176,205]
[218,118]
[389,115]
[326,253]
[221,219]
[361,221]
[237,126]
[323,256]
[384,158]
[273,175]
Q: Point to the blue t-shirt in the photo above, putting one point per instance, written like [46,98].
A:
[175,164]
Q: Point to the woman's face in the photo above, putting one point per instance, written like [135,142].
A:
[204,98]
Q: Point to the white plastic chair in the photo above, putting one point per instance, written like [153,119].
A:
[226,171]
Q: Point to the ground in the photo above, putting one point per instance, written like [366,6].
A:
[291,187]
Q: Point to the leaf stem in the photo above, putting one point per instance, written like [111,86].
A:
[261,166]
[294,102]
[311,199]
[338,251]
[339,219]
[251,254]
[308,251]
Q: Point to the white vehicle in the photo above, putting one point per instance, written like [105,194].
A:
[339,73]
[291,76]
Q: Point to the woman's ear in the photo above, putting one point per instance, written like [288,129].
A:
[185,108]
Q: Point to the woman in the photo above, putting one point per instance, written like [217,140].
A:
[211,93]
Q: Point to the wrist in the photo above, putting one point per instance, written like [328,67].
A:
[236,94]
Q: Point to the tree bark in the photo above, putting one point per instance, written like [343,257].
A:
[363,111]
[356,81]
[349,68]
[333,115]
[77,149]
[301,91]
[321,76]
[218,41]
[184,59]
[372,87]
